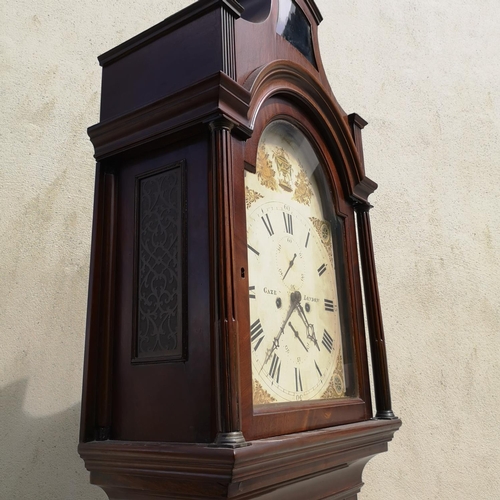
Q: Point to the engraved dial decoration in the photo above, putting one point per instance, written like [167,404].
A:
[295,330]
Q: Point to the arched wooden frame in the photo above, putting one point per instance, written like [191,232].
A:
[295,417]
[289,79]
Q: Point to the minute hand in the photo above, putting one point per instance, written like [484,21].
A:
[310,328]
[294,301]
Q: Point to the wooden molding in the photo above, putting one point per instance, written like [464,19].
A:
[357,124]
[277,468]
[311,5]
[217,95]
[176,21]
[292,80]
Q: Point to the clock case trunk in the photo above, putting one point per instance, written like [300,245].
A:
[183,104]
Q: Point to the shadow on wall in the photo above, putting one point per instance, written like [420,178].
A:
[38,457]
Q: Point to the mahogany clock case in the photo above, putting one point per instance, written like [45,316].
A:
[183,107]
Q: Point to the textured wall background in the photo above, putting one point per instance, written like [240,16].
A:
[425,75]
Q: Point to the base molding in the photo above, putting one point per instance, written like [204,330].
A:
[317,465]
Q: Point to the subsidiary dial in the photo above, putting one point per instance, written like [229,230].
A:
[290,263]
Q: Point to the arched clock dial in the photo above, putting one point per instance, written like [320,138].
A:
[295,331]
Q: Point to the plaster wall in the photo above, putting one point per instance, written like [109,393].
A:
[425,75]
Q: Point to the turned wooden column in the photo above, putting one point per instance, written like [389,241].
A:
[374,315]
[372,298]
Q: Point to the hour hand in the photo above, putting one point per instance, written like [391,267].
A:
[310,328]
[296,333]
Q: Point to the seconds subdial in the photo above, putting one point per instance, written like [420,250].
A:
[290,263]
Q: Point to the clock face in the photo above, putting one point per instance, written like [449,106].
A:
[295,327]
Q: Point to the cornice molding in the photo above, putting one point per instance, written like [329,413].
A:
[176,21]
[216,96]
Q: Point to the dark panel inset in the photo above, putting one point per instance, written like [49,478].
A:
[159,280]
[294,27]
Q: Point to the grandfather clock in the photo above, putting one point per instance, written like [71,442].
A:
[226,351]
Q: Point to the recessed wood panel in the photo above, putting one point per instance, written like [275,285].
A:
[160,220]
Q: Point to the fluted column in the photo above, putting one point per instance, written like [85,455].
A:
[226,327]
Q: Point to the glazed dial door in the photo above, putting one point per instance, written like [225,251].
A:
[296,337]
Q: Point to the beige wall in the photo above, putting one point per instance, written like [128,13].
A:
[426,75]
